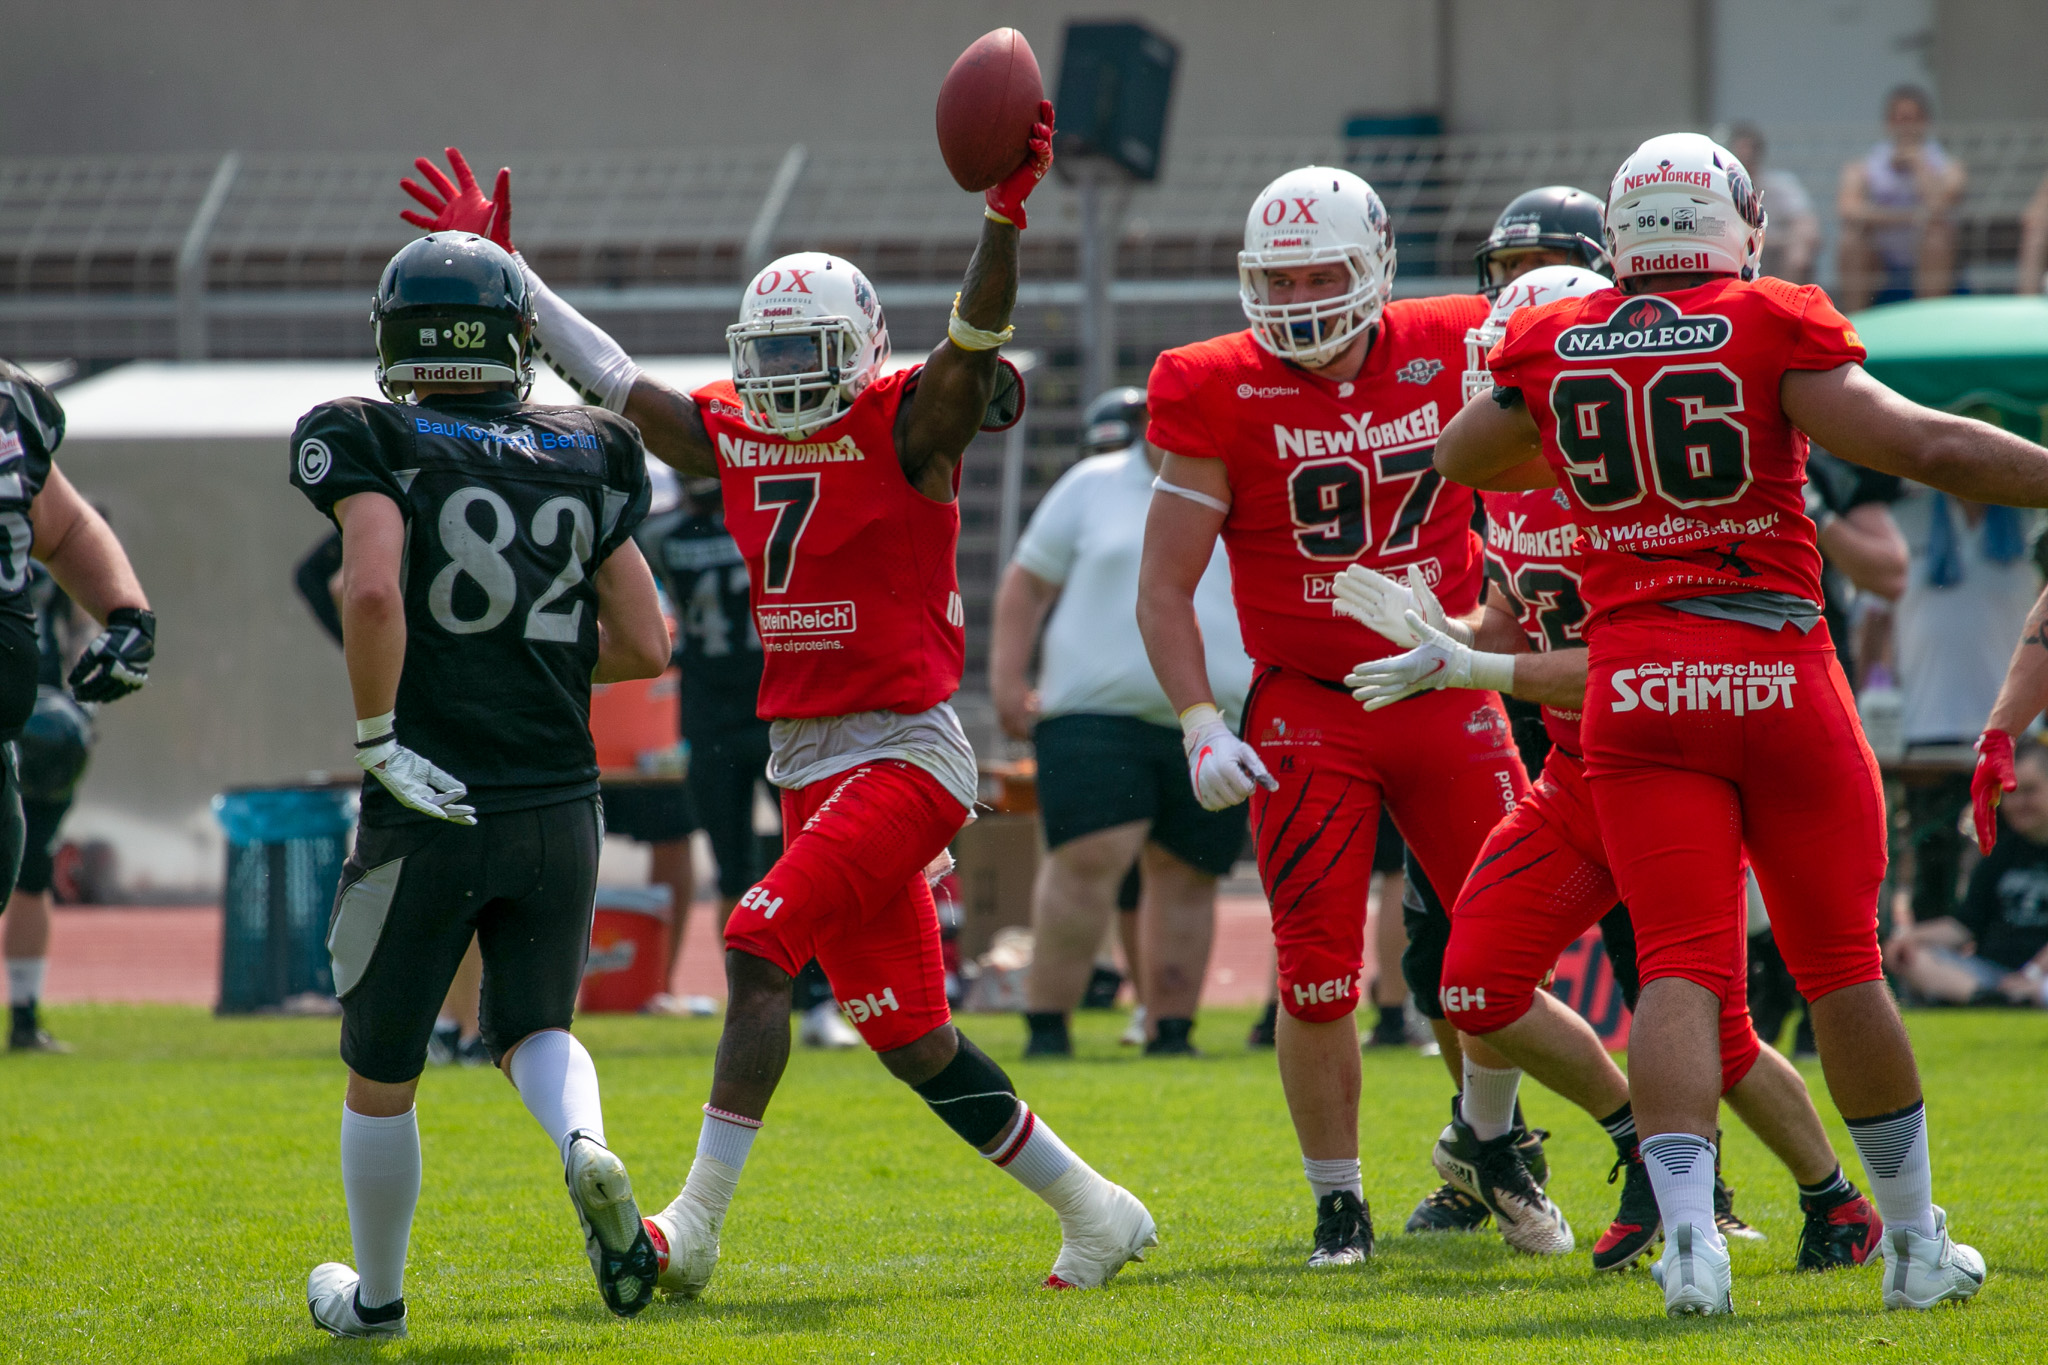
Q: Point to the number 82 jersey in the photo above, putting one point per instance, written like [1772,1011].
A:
[509,509]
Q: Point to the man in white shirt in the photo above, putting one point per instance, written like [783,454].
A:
[1112,778]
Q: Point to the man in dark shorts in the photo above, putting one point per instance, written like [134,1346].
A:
[488,578]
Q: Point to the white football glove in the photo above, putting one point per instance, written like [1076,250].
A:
[1438,661]
[1222,767]
[414,782]
[1381,604]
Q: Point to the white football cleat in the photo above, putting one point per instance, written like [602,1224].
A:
[621,1254]
[1694,1272]
[686,1245]
[331,1298]
[825,1027]
[1134,1032]
[1102,1228]
[1920,1272]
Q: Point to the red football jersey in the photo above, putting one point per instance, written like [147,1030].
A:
[1660,415]
[1532,556]
[850,570]
[1325,474]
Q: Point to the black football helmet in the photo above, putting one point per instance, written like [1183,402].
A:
[1556,217]
[1114,421]
[452,308]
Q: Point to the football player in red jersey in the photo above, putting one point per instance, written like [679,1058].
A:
[841,489]
[1675,414]
[1542,879]
[1305,442]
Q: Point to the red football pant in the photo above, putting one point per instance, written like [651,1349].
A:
[849,890]
[1446,767]
[1540,882]
[1705,738]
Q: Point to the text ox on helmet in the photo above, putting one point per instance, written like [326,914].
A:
[1532,289]
[810,338]
[1317,215]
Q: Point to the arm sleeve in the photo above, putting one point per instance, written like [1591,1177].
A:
[1051,539]
[335,455]
[577,349]
[1173,405]
[1825,339]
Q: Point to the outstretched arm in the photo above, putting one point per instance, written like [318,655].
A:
[1856,417]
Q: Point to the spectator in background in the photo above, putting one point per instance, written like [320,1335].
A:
[1863,553]
[1794,238]
[1897,207]
[2034,242]
[1112,778]
[1968,592]
[1995,944]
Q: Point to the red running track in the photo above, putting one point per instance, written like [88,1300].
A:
[171,955]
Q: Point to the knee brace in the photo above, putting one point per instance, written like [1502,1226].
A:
[972,1094]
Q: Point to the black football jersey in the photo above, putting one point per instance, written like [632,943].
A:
[717,647]
[31,428]
[510,508]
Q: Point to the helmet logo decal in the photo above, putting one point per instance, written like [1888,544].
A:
[315,459]
[1277,212]
[771,282]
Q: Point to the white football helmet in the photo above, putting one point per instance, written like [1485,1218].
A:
[809,339]
[1683,203]
[1544,284]
[1315,216]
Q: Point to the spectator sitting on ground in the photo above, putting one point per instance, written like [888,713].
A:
[1897,207]
[1794,238]
[2034,242]
[1112,778]
[1995,945]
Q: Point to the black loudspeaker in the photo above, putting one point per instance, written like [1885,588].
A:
[1115,83]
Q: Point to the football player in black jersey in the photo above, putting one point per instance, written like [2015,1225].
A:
[489,576]
[718,653]
[43,516]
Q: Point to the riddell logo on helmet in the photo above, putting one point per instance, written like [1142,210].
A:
[1650,264]
[447,374]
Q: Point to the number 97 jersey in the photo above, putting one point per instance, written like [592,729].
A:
[1660,415]
[510,508]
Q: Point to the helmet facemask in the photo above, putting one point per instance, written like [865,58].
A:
[1311,333]
[797,375]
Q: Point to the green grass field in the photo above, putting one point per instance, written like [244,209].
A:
[164,1191]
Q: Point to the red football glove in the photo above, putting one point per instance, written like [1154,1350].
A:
[1007,198]
[1994,777]
[460,206]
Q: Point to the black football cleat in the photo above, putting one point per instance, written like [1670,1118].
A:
[1838,1233]
[1343,1230]
[1637,1225]
[1448,1209]
[1493,1172]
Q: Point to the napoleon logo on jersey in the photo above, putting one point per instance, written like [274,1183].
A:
[1650,325]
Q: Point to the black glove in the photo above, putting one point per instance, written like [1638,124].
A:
[117,662]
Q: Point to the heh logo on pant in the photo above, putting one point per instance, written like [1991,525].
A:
[860,1009]
[1458,999]
[1323,992]
[759,899]
[1735,687]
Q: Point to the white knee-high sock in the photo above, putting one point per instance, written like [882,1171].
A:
[1894,1151]
[1681,1167]
[558,1084]
[25,979]
[380,1176]
[1488,1102]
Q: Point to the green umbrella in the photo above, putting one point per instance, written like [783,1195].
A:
[1984,356]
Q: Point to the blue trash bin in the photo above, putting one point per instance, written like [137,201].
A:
[286,846]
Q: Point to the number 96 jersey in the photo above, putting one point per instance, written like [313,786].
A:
[855,590]
[509,509]
[1325,474]
[1660,415]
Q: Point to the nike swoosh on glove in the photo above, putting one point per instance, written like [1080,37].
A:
[1223,769]
[1994,777]
[117,661]
[414,782]
[1437,661]
[1381,604]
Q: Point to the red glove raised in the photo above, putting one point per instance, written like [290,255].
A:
[460,206]
[1006,199]
[1994,777]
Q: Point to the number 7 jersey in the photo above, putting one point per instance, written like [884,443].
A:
[509,510]
[1325,474]
[852,572]
[1660,415]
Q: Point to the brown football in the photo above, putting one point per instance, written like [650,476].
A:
[986,108]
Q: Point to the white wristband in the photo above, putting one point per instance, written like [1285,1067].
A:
[968,337]
[1493,672]
[1198,716]
[376,727]
[578,349]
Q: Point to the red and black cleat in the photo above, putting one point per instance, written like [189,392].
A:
[1637,1225]
[1838,1233]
